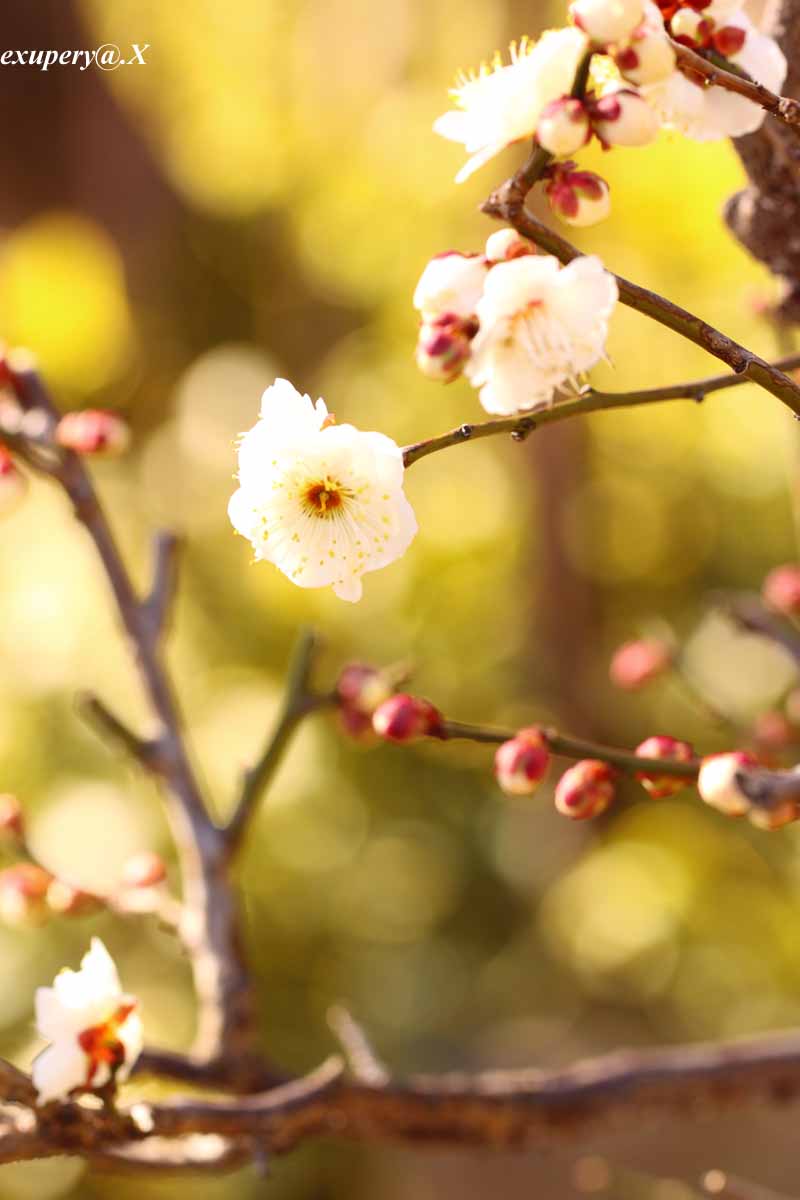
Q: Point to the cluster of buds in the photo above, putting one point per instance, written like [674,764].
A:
[638,662]
[670,750]
[577,197]
[93,431]
[691,25]
[720,784]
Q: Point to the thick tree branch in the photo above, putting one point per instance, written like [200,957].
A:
[590,401]
[507,204]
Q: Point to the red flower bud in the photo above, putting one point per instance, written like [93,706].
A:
[635,663]
[12,824]
[780,590]
[585,790]
[660,786]
[728,40]
[362,687]
[69,901]
[521,763]
[23,894]
[145,869]
[404,718]
[563,126]
[718,785]
[443,346]
[93,431]
[577,197]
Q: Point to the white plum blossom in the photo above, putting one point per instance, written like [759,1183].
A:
[541,325]
[94,1030]
[502,103]
[710,113]
[451,283]
[323,502]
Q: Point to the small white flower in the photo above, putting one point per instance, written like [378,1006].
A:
[93,1028]
[541,325]
[502,104]
[451,283]
[324,503]
[710,113]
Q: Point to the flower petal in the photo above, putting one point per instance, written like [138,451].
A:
[58,1069]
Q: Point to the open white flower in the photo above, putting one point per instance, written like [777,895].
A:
[94,1030]
[451,283]
[708,114]
[502,104]
[323,502]
[541,325]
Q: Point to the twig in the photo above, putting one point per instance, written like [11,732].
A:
[15,1086]
[362,1060]
[157,607]
[590,401]
[783,107]
[298,701]
[507,204]
[749,614]
[110,727]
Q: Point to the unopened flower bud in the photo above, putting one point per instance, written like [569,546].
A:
[12,823]
[636,663]
[521,763]
[13,484]
[577,197]
[505,244]
[669,748]
[563,126]
[143,870]
[770,819]
[443,346]
[404,718]
[623,118]
[450,283]
[69,901]
[23,894]
[648,59]
[780,590]
[585,790]
[607,21]
[774,731]
[717,782]
[362,687]
[93,431]
[356,725]
[690,28]
[728,40]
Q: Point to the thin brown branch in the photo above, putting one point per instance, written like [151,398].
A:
[783,107]
[298,702]
[115,731]
[589,401]
[507,204]
[157,607]
[749,614]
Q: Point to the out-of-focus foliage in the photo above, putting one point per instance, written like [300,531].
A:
[305,193]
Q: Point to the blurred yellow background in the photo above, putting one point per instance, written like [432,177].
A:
[259,201]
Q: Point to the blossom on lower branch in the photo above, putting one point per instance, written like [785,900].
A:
[93,1028]
[323,502]
[541,326]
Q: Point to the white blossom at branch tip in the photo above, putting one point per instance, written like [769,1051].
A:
[711,113]
[322,502]
[541,326]
[502,103]
[92,1026]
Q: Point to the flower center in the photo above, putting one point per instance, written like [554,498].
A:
[101,1043]
[323,497]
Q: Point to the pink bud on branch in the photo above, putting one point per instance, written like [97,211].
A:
[585,790]
[93,432]
[659,746]
[521,763]
[577,197]
[405,718]
[638,662]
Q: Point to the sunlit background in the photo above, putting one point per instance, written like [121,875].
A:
[258,201]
